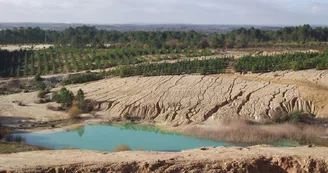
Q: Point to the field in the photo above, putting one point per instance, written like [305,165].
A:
[66,60]
[61,60]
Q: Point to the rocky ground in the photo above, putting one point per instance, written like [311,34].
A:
[254,160]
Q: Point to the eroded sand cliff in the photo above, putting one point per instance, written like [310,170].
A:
[193,99]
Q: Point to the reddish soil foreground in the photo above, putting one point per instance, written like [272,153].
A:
[253,159]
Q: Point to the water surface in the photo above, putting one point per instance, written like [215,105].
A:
[106,138]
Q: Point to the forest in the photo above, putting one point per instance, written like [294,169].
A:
[240,38]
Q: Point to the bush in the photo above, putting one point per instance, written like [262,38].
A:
[122,148]
[42,86]
[65,97]
[74,112]
[82,78]
[37,77]
[80,99]
[296,117]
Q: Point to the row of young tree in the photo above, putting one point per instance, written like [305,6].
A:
[205,66]
[85,35]
[288,61]
[68,59]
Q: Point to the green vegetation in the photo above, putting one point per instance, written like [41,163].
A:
[296,117]
[294,61]
[82,48]
[25,65]
[206,66]
[52,60]
[64,97]
[7,148]
[82,78]
[302,36]
[80,99]
[39,62]
[32,64]
[75,105]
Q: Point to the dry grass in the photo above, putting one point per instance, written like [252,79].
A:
[122,148]
[74,112]
[242,132]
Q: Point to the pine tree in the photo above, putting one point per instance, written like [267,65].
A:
[81,61]
[59,63]
[68,67]
[39,62]
[98,63]
[25,65]
[18,69]
[45,60]
[76,67]
[80,99]
[32,64]
[53,65]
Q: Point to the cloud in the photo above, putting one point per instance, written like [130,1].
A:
[288,12]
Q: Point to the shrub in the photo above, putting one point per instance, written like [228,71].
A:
[83,78]
[65,97]
[80,99]
[295,117]
[37,77]
[42,86]
[122,148]
[74,112]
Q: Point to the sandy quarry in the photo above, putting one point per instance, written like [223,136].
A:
[191,99]
[181,101]
[253,159]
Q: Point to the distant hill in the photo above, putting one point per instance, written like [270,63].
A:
[139,27]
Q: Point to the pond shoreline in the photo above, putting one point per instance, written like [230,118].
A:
[199,131]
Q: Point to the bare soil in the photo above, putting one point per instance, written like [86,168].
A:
[252,159]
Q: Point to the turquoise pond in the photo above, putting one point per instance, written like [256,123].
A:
[106,138]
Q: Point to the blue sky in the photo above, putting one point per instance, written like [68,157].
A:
[259,12]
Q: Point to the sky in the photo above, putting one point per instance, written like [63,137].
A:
[256,12]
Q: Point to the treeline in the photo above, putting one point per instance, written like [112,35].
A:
[205,66]
[290,61]
[83,36]
[202,66]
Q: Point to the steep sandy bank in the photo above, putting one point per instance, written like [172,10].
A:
[253,159]
[178,100]
[195,99]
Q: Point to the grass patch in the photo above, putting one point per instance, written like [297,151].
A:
[242,132]
[7,148]
[74,112]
